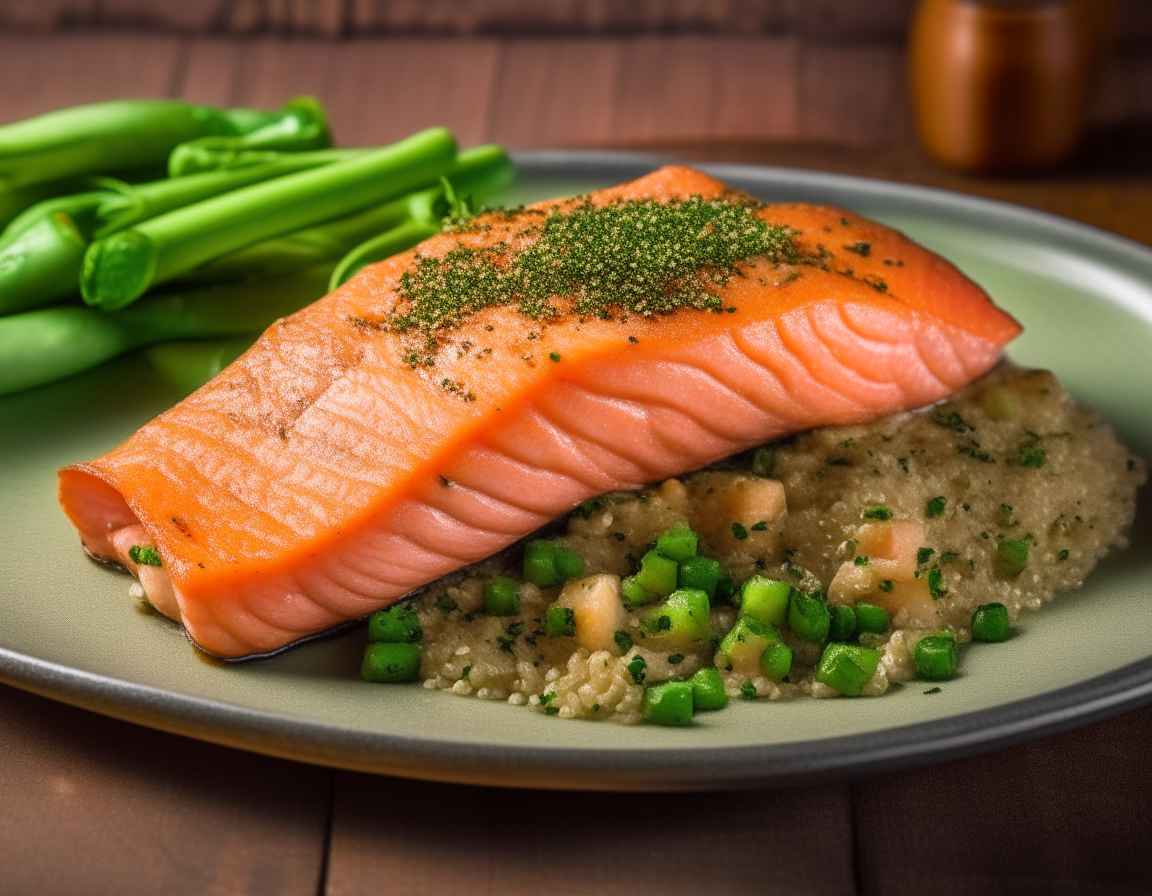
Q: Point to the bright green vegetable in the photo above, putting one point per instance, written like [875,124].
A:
[14,200]
[708,689]
[395,625]
[990,622]
[42,252]
[765,599]
[684,616]
[114,136]
[843,623]
[391,663]
[809,618]
[559,622]
[746,642]
[935,657]
[870,618]
[300,125]
[657,577]
[120,268]
[847,667]
[701,573]
[668,703]
[1011,557]
[48,344]
[501,597]
[677,544]
[547,564]
[777,661]
[41,263]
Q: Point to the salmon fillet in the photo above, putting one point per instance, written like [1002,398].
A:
[327,473]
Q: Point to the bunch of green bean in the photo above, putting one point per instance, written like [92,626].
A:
[100,253]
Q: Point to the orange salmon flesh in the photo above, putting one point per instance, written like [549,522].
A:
[322,476]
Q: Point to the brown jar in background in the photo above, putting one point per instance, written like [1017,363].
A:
[1005,85]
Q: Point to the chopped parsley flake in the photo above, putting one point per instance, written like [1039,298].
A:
[886,586]
[877,512]
[623,641]
[637,669]
[145,555]
[748,691]
[739,532]
[936,506]
[1062,556]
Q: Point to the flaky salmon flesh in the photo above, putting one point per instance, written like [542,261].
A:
[345,461]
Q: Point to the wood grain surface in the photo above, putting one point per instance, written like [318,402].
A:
[91,805]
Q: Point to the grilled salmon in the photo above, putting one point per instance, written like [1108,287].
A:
[450,400]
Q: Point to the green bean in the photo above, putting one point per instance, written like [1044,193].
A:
[301,125]
[120,268]
[112,136]
[380,247]
[42,251]
[49,344]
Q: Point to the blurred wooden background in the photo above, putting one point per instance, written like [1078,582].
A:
[522,72]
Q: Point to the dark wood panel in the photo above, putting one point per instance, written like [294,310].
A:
[39,73]
[413,838]
[853,94]
[92,805]
[1061,815]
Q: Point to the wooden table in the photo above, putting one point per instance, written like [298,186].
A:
[93,805]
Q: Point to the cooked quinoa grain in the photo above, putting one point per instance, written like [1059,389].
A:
[1009,493]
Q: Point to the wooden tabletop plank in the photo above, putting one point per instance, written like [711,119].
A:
[422,839]
[93,805]
[1060,815]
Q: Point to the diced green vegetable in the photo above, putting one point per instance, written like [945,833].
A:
[633,593]
[657,575]
[708,689]
[684,616]
[746,642]
[668,703]
[677,544]
[701,573]
[389,662]
[843,623]
[935,657]
[559,622]
[121,267]
[501,597]
[847,667]
[765,599]
[990,622]
[395,625]
[777,661]
[189,364]
[809,618]
[547,564]
[870,618]
[1011,557]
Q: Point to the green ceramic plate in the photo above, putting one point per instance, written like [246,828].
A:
[68,629]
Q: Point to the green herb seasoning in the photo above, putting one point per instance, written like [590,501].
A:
[878,512]
[145,555]
[632,257]
[936,506]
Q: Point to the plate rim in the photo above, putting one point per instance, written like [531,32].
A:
[635,769]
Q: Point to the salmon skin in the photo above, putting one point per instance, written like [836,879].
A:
[332,469]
